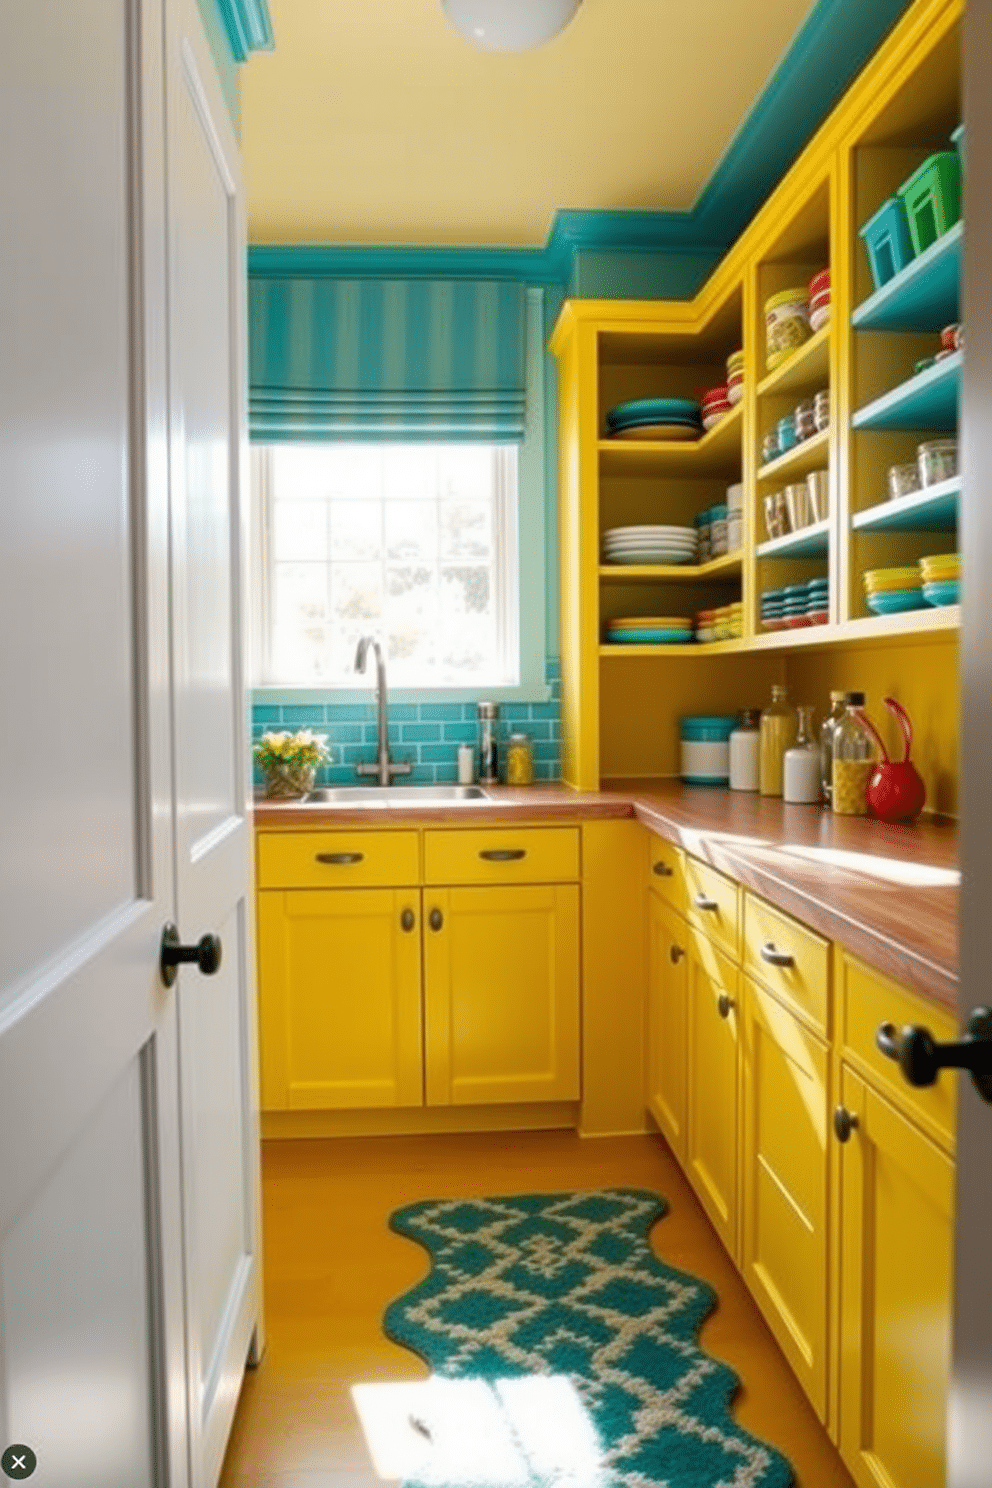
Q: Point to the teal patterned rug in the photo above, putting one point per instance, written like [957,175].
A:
[566,1352]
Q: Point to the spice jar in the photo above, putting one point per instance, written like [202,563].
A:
[744,751]
[853,759]
[519,760]
[489,750]
[801,764]
[778,730]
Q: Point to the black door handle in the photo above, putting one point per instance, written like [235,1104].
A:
[205,954]
[921,1058]
[339,857]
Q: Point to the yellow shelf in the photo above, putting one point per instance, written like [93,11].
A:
[724,567]
[707,648]
[718,452]
[811,454]
[806,371]
[920,624]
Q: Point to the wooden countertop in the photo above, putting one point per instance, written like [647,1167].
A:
[889,894]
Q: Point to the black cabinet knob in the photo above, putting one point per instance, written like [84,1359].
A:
[205,954]
[675,954]
[407,920]
[921,1058]
[724,1005]
[844,1123]
[435,919]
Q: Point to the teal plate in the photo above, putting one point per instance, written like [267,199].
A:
[649,637]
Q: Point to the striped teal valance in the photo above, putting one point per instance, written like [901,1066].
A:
[351,359]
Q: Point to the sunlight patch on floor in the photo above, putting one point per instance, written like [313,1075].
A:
[467,1432]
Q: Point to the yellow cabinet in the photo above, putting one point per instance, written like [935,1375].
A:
[668,981]
[340,1002]
[897,1218]
[501,981]
[784,1182]
[712,1127]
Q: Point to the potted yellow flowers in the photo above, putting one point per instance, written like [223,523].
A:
[289,761]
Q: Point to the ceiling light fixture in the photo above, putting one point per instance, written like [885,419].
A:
[509,25]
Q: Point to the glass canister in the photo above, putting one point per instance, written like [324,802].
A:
[801,783]
[827,744]
[519,760]
[853,759]
[745,749]
[489,743]
[778,731]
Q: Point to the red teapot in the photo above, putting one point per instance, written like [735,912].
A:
[895,790]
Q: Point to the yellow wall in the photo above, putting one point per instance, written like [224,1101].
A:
[922,675]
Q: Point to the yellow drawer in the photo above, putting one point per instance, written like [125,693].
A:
[869,1000]
[666,871]
[788,959]
[334,860]
[713,905]
[502,855]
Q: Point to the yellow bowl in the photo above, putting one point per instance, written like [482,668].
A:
[884,580]
[941,563]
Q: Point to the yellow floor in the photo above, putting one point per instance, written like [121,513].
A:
[332,1265]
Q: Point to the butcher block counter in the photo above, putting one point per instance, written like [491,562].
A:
[887,893]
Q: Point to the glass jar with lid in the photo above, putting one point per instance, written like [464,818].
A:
[827,744]
[778,730]
[801,764]
[489,743]
[853,759]
[519,760]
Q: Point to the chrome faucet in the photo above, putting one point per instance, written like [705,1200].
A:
[384,767]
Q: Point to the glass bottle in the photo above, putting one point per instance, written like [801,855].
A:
[853,759]
[489,750]
[778,730]
[827,744]
[745,751]
[801,765]
[519,760]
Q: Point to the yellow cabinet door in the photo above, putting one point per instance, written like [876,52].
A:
[784,1183]
[897,1218]
[501,994]
[340,998]
[668,980]
[712,1131]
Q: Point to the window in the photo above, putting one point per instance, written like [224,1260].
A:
[414,543]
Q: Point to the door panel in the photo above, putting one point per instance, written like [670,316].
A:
[206,269]
[91,1338]
[668,1013]
[712,1118]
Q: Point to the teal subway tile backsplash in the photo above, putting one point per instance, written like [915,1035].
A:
[426,734]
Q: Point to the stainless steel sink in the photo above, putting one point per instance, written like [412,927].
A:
[395,795]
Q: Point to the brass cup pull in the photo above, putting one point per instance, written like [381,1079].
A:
[662,870]
[407,920]
[703,901]
[339,858]
[844,1123]
[724,1005]
[503,854]
[775,957]
[675,954]
[435,919]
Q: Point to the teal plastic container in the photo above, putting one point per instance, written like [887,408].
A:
[887,241]
[705,742]
[932,198]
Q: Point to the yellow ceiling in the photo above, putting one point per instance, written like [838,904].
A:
[374,122]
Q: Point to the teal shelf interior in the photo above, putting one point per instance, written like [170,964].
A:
[934,509]
[928,401]
[924,296]
[808,542]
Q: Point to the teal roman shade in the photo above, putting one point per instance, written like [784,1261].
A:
[385,359]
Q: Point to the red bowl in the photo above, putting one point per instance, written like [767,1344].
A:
[715,395]
[823,298]
[819,283]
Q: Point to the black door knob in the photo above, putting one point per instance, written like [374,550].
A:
[205,954]
[435,919]
[921,1058]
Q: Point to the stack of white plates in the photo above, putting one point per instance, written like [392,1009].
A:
[649,544]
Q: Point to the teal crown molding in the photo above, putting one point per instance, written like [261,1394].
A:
[248,27]
[835,41]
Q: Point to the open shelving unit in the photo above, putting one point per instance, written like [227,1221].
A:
[618,699]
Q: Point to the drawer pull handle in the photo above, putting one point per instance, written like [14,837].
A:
[435,919]
[703,901]
[340,857]
[503,854]
[921,1058]
[724,1005]
[407,920]
[675,954]
[844,1123]
[775,957]
[663,870]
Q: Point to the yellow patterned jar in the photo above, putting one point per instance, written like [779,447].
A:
[519,760]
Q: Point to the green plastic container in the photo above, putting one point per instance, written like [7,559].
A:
[932,198]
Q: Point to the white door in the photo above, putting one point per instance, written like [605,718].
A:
[207,400]
[970,1435]
[92,1381]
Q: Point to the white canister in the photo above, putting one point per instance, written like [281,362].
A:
[745,751]
[802,782]
[705,749]
[466,764]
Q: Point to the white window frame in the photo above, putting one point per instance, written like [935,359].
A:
[525,624]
